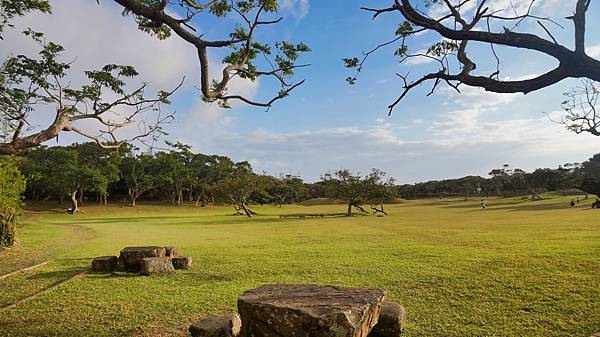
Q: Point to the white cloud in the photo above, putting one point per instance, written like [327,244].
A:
[505,7]
[468,140]
[94,35]
[298,8]
[594,51]
[525,143]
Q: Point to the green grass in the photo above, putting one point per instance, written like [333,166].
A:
[521,268]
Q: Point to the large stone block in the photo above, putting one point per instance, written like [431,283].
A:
[104,264]
[131,256]
[391,321]
[156,266]
[218,326]
[309,311]
[183,262]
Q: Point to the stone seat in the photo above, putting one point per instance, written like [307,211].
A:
[217,326]
[104,264]
[156,266]
[131,257]
[309,311]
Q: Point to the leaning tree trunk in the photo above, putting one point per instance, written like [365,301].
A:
[378,210]
[74,204]
[247,210]
[360,208]
[349,212]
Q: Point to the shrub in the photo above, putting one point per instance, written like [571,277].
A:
[12,184]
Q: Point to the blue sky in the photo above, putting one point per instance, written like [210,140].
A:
[327,124]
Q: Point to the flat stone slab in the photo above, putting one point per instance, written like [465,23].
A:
[391,321]
[131,256]
[309,311]
[217,326]
[156,266]
[104,264]
[182,262]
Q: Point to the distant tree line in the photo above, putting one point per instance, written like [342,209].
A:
[507,182]
[86,173]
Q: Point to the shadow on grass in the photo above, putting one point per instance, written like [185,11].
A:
[62,274]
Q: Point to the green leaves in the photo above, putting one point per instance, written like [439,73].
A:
[443,48]
[288,54]
[110,77]
[405,29]
[219,8]
[10,9]
[402,51]
[12,185]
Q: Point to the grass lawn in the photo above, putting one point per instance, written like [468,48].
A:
[521,268]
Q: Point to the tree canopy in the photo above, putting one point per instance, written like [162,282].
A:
[248,58]
[12,185]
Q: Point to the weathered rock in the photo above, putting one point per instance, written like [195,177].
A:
[170,251]
[309,311]
[104,264]
[156,266]
[183,262]
[391,321]
[217,326]
[131,256]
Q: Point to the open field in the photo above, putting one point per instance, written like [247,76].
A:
[521,268]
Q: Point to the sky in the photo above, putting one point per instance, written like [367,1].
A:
[327,124]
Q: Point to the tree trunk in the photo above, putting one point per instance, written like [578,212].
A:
[81,196]
[247,210]
[359,207]
[378,210]
[200,195]
[179,198]
[74,204]
[132,197]
[349,212]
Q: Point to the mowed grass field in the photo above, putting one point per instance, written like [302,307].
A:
[521,268]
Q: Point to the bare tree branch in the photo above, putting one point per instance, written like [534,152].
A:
[572,63]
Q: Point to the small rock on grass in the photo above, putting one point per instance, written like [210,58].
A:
[217,326]
[104,264]
[184,262]
[391,321]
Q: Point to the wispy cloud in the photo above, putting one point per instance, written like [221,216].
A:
[298,8]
